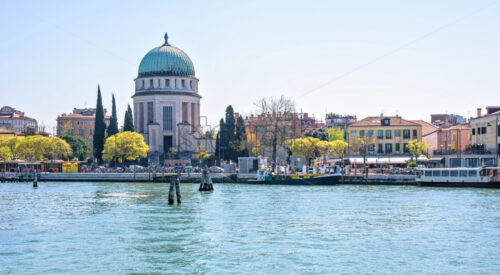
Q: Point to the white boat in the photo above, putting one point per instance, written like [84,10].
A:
[483,177]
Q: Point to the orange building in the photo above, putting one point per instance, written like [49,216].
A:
[79,123]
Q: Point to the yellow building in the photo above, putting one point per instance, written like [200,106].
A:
[390,135]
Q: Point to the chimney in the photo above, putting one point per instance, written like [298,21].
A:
[478,112]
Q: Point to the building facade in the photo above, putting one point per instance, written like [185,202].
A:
[15,120]
[340,121]
[447,119]
[486,131]
[167,101]
[390,135]
[79,123]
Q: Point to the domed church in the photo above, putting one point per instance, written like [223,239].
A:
[166,100]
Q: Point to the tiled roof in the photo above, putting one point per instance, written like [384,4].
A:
[81,116]
[427,128]
[375,121]
[487,115]
[458,127]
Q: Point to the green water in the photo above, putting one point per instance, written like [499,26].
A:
[128,228]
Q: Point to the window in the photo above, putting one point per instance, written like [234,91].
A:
[397,133]
[436,173]
[483,130]
[445,173]
[362,133]
[90,131]
[473,131]
[428,173]
[370,133]
[398,147]
[190,84]
[81,132]
[415,133]
[463,173]
[167,82]
[472,173]
[167,118]
[380,148]
[183,83]
[380,134]
[142,84]
[151,83]
[498,130]
[386,122]
[454,173]
[478,131]
[353,132]
[405,148]
[406,133]
[150,112]
[388,134]
[371,148]
[388,147]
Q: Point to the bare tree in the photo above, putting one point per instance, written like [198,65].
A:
[276,117]
[363,145]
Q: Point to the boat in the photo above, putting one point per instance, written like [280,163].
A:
[480,177]
[264,177]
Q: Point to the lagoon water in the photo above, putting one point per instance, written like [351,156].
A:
[128,228]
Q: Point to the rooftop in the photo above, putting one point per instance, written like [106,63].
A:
[427,128]
[376,121]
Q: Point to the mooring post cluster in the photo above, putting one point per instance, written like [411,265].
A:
[206,181]
[174,185]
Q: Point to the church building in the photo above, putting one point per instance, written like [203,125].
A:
[167,101]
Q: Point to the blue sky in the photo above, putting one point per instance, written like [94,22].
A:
[350,57]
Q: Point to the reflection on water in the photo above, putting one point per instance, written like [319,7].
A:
[130,228]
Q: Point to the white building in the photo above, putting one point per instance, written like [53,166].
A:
[167,102]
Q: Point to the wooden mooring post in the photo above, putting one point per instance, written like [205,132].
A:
[206,181]
[174,185]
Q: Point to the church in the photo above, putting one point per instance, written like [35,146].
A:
[167,102]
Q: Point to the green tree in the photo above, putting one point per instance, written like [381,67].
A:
[362,146]
[125,146]
[128,124]
[335,133]
[230,152]
[223,139]
[113,121]
[100,127]
[309,148]
[79,146]
[13,145]
[217,146]
[320,133]
[241,145]
[417,148]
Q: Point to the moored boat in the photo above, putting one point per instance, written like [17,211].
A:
[481,177]
[264,177]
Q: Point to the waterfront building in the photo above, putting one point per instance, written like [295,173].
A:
[340,121]
[445,120]
[429,135]
[5,133]
[79,123]
[167,101]
[390,134]
[17,121]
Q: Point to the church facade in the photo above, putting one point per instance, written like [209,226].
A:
[167,101]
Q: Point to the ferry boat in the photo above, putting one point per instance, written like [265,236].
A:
[482,177]
[264,177]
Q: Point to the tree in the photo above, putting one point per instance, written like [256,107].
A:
[79,146]
[277,117]
[99,127]
[68,129]
[125,146]
[417,148]
[113,121]
[204,156]
[223,139]
[309,148]
[337,148]
[335,133]
[241,144]
[13,145]
[217,146]
[56,148]
[128,124]
[320,133]
[253,145]
[363,145]
[230,125]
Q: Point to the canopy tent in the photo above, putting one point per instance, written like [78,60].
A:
[439,160]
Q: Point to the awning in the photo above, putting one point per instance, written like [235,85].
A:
[380,160]
[436,160]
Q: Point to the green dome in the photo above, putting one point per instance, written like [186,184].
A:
[166,60]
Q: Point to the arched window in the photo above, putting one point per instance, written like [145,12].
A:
[167,82]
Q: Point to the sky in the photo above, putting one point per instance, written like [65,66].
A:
[410,58]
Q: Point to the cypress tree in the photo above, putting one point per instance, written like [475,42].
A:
[241,138]
[129,121]
[224,141]
[217,147]
[113,121]
[230,132]
[99,127]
